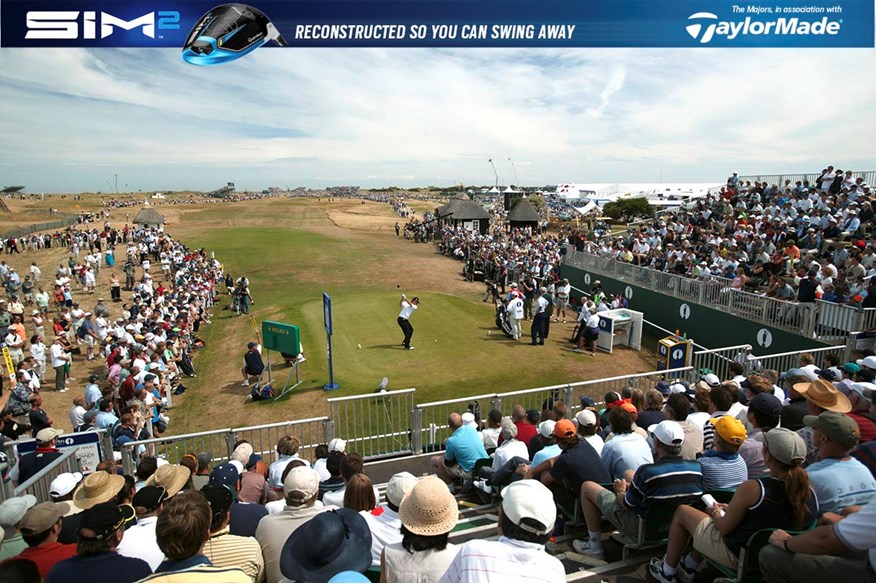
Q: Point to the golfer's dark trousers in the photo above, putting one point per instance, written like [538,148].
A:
[539,324]
[407,329]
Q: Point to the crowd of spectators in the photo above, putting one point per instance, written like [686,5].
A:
[797,242]
[142,343]
[803,441]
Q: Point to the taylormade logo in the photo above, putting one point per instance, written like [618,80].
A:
[705,25]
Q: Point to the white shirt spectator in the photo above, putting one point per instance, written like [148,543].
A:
[139,541]
[504,560]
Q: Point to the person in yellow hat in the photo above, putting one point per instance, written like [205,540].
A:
[723,467]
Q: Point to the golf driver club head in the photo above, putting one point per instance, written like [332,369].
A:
[228,32]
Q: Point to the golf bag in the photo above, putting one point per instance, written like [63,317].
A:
[185,364]
[502,320]
[263,392]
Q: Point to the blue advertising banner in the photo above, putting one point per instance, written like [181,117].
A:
[430,23]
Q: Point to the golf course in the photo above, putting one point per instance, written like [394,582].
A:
[294,249]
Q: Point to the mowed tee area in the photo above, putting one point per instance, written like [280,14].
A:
[293,250]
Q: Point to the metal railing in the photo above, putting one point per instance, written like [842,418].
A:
[781,362]
[36,227]
[779,179]
[38,485]
[219,444]
[310,432]
[173,448]
[719,360]
[824,321]
[375,424]
[430,420]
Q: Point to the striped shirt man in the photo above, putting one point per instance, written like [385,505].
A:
[722,470]
[233,551]
[671,480]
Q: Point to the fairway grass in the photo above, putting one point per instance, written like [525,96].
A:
[294,250]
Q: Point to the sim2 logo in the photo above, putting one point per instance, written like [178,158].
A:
[75,25]
[705,26]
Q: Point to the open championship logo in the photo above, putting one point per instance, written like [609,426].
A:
[706,25]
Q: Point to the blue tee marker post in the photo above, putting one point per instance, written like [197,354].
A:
[327,317]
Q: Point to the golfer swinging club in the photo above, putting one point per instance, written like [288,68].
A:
[404,319]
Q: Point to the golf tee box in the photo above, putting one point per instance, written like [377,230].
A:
[620,326]
[673,353]
[278,336]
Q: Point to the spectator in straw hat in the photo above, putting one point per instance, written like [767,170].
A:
[99,487]
[427,515]
[526,522]
[384,522]
[820,396]
[12,511]
[97,560]
[344,531]
[172,477]
[301,487]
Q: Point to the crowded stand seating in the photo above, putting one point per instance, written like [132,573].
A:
[798,242]
[604,488]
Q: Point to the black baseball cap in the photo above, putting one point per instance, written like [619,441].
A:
[104,520]
[149,498]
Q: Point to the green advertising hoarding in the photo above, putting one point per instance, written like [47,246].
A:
[282,337]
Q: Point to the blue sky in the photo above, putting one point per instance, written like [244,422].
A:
[72,119]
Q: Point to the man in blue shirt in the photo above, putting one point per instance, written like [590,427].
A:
[461,451]
[105,416]
[100,532]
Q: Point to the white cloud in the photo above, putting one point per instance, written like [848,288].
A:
[371,117]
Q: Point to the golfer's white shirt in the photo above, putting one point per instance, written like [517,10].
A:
[407,310]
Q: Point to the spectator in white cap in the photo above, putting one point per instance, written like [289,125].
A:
[526,522]
[551,449]
[468,419]
[868,362]
[384,521]
[301,488]
[61,491]
[588,428]
[428,514]
[12,510]
[510,447]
